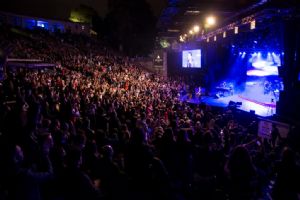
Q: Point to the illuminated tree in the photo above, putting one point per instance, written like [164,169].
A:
[83,14]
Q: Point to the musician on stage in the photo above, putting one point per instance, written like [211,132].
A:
[198,92]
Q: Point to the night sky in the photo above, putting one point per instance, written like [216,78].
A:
[60,9]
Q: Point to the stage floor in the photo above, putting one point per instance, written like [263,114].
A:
[261,108]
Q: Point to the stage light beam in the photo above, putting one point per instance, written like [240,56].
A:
[244,55]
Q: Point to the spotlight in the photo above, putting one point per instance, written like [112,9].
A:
[244,55]
[191,32]
[236,30]
[181,39]
[259,55]
[252,24]
[196,28]
[269,57]
[210,21]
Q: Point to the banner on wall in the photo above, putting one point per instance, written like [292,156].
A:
[265,128]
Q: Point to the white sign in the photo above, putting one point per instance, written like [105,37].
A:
[264,129]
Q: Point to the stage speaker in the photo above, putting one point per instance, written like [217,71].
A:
[239,104]
[231,104]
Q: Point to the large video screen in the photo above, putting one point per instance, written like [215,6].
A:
[263,83]
[191,58]
[264,64]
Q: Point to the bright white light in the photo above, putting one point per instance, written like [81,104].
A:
[196,28]
[211,20]
[261,73]
[191,32]
[244,55]
[277,59]
[259,55]
[269,57]
[236,30]
[181,39]
[260,64]
[252,24]
[41,24]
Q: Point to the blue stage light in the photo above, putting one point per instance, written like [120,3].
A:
[244,55]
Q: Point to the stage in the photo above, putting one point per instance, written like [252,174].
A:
[261,108]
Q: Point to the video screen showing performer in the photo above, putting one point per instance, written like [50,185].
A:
[191,59]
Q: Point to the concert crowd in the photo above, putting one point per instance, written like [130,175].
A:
[99,126]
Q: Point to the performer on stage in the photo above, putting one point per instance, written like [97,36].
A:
[190,61]
[198,92]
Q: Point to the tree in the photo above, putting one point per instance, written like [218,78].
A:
[83,14]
